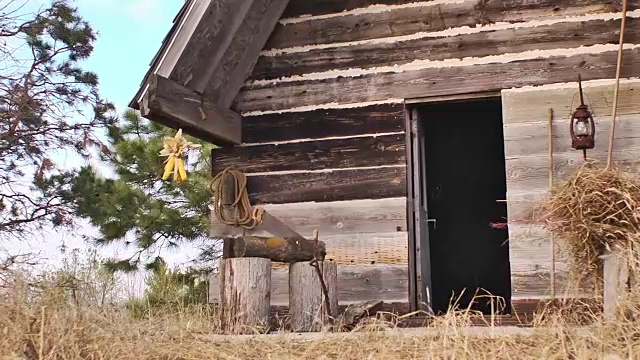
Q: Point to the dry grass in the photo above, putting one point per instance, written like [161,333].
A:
[51,324]
[595,209]
[47,319]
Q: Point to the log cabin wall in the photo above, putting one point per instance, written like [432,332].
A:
[323,129]
[526,147]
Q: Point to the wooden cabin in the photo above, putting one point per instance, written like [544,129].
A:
[398,128]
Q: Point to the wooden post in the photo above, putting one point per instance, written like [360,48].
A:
[615,275]
[306,299]
[245,295]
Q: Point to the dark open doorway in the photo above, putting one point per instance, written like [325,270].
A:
[461,160]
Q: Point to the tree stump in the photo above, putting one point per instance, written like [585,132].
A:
[245,295]
[306,298]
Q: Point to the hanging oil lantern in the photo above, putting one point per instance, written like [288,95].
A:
[582,127]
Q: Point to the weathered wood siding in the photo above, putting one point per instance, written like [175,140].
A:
[526,146]
[323,114]
[343,172]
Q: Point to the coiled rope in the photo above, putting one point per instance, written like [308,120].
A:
[243,215]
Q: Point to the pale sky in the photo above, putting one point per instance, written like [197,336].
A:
[129,34]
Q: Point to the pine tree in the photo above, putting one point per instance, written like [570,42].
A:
[136,207]
[48,105]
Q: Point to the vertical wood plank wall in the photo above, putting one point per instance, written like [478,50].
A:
[526,147]
[323,128]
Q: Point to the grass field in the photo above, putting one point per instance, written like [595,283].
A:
[57,317]
[51,327]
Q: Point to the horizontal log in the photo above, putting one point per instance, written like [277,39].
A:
[323,123]
[429,18]
[369,55]
[533,105]
[298,8]
[355,284]
[336,185]
[348,218]
[313,155]
[276,248]
[173,105]
[530,173]
[431,81]
[527,139]
[389,283]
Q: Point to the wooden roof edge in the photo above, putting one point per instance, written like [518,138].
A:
[178,19]
[173,105]
[209,63]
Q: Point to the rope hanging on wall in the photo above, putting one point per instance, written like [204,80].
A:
[243,214]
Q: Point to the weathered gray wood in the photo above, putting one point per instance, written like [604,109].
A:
[436,17]
[173,105]
[388,283]
[530,251]
[438,81]
[533,105]
[494,42]
[276,248]
[250,38]
[528,139]
[210,42]
[328,185]
[245,295]
[307,306]
[313,155]
[616,276]
[529,173]
[348,217]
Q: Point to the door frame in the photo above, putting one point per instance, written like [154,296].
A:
[417,211]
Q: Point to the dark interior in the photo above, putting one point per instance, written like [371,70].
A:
[465,170]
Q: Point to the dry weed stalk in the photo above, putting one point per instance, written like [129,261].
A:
[595,209]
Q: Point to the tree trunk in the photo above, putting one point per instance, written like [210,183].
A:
[306,298]
[245,295]
[276,248]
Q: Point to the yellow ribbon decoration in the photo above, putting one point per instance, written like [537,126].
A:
[174,149]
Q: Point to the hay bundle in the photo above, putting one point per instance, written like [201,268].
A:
[596,208]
